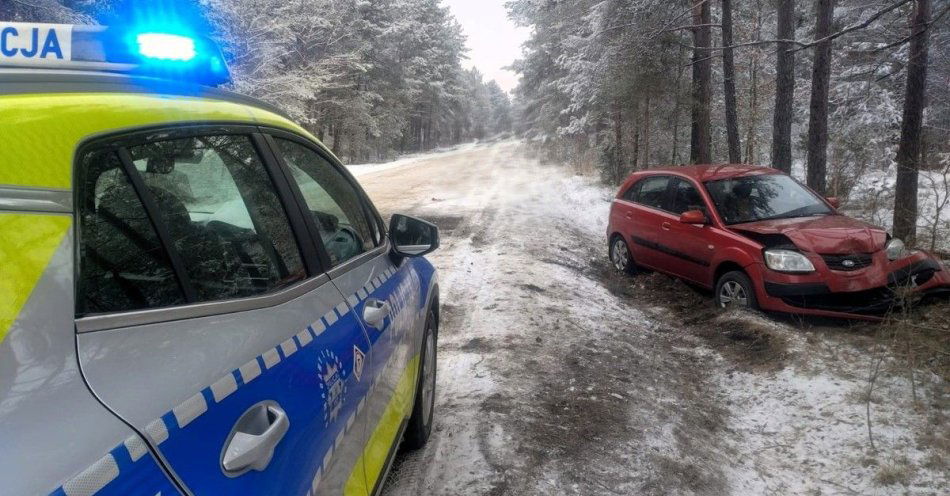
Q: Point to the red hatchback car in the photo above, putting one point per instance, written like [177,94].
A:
[761,239]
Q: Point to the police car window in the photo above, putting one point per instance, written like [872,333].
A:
[686,197]
[652,192]
[336,207]
[222,213]
[123,265]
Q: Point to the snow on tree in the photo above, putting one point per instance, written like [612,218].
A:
[372,78]
[606,83]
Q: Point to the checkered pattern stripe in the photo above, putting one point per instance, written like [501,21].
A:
[98,475]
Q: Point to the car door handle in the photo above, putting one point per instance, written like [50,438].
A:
[375,312]
[251,444]
[629,215]
[666,226]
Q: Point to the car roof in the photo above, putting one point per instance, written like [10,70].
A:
[15,81]
[713,172]
[46,117]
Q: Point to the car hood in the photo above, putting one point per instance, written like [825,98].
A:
[830,235]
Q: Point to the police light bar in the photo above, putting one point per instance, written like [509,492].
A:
[164,46]
[179,56]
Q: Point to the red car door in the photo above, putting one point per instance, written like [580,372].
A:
[647,220]
[688,243]
[622,212]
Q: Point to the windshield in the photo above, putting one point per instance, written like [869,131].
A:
[754,198]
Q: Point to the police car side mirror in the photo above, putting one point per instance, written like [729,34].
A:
[412,237]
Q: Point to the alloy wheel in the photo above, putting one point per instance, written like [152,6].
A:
[733,293]
[620,256]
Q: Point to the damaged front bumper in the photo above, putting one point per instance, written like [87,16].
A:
[908,282]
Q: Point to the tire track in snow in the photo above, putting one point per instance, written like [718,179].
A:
[548,383]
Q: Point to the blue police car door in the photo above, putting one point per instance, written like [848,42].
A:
[207,321]
[385,298]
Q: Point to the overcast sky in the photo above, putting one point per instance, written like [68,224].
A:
[493,40]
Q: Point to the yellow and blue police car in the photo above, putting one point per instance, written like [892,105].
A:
[195,296]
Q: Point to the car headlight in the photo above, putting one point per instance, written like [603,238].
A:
[895,249]
[788,261]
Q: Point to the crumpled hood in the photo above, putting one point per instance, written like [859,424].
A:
[826,235]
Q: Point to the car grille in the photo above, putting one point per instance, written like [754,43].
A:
[869,302]
[874,301]
[848,263]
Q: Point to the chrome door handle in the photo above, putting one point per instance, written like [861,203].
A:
[375,312]
[666,226]
[251,444]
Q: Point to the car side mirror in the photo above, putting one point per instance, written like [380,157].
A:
[412,237]
[694,217]
[834,202]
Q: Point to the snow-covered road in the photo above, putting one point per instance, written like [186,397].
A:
[557,376]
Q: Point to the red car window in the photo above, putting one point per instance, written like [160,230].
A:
[652,191]
[686,197]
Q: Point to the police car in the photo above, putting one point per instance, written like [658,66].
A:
[195,296]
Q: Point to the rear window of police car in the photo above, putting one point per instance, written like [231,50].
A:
[180,221]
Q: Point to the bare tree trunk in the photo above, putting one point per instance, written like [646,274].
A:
[423,132]
[646,133]
[784,88]
[635,153]
[337,141]
[350,151]
[430,129]
[818,111]
[750,144]
[753,111]
[677,107]
[909,150]
[618,145]
[701,137]
[729,85]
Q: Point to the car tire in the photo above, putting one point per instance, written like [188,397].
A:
[423,411]
[735,288]
[620,256]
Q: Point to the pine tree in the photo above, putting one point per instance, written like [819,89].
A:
[701,134]
[729,85]
[909,151]
[784,88]
[820,86]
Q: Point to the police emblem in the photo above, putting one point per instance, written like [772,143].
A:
[332,385]
[358,361]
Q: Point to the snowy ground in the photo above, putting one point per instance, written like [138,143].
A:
[558,376]
[413,160]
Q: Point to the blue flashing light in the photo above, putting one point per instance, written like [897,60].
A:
[174,52]
[166,46]
[159,50]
